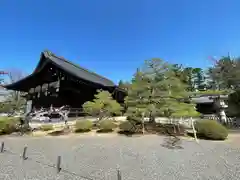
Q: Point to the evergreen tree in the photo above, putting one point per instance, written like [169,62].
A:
[123,85]
[199,79]
[225,74]
[194,78]
[120,84]
[175,94]
[135,100]
[102,106]
[156,91]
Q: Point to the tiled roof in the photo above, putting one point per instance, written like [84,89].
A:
[67,66]
[77,70]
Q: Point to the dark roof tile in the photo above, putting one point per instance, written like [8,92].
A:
[77,70]
[67,66]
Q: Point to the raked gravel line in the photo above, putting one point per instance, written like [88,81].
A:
[138,158]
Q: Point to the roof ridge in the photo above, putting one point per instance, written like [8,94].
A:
[49,53]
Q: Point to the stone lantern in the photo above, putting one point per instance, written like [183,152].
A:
[220,106]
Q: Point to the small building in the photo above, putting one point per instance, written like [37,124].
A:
[207,104]
[57,82]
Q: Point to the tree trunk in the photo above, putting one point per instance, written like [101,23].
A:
[143,128]
[174,128]
[151,118]
[194,131]
[178,128]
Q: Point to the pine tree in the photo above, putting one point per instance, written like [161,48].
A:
[155,90]
[102,106]
[120,84]
[123,85]
[135,101]
[175,94]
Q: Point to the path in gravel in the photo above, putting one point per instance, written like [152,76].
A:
[138,158]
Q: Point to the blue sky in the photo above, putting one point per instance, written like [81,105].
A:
[114,37]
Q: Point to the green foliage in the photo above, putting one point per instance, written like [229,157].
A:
[135,101]
[212,92]
[5,107]
[46,127]
[199,79]
[185,110]
[107,125]
[134,118]
[156,90]
[102,106]
[234,104]
[127,127]
[83,125]
[13,102]
[123,85]
[225,74]
[8,125]
[211,129]
[193,78]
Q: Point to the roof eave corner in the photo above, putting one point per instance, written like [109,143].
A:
[6,87]
[121,89]
[3,87]
[47,53]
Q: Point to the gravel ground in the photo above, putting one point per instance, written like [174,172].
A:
[138,158]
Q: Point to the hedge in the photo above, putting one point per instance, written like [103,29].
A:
[46,127]
[211,129]
[83,125]
[9,125]
[106,126]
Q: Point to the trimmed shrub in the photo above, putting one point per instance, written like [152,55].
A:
[106,126]
[46,127]
[127,127]
[102,106]
[210,129]
[8,125]
[83,125]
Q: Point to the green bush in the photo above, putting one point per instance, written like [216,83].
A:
[102,106]
[83,125]
[134,118]
[8,125]
[46,127]
[211,129]
[107,126]
[128,127]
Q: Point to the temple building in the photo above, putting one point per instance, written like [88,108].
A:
[211,104]
[205,104]
[57,82]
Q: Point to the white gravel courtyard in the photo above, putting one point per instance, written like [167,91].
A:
[138,158]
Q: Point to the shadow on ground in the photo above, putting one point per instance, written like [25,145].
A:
[104,131]
[172,142]
[60,132]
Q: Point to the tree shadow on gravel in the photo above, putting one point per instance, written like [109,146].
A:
[172,142]
[64,131]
